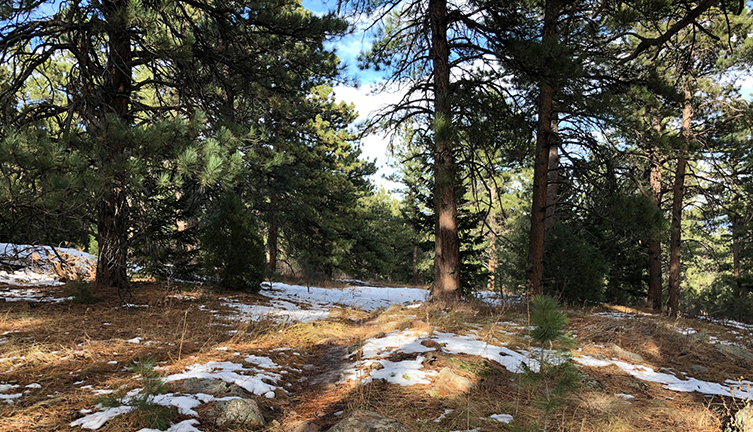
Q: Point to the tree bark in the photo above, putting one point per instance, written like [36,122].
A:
[446,241]
[544,133]
[415,265]
[654,244]
[553,177]
[737,289]
[492,261]
[112,208]
[677,200]
[272,234]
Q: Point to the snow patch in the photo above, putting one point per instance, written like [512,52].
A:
[503,418]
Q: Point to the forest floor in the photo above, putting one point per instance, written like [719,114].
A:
[315,354]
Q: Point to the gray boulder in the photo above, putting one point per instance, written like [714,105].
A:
[235,413]
[733,351]
[626,355]
[209,386]
[367,421]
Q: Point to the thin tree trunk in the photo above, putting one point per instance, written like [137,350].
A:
[679,190]
[415,265]
[738,292]
[272,234]
[535,268]
[654,244]
[492,262]
[112,208]
[447,243]
[553,178]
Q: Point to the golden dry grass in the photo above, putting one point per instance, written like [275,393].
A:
[61,345]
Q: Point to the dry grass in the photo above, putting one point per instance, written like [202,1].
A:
[60,345]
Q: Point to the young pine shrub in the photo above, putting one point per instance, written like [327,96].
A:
[147,413]
[555,376]
[232,250]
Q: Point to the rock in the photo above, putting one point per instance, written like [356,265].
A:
[448,383]
[734,351]
[367,421]
[626,355]
[234,413]
[428,343]
[209,386]
[302,426]
[700,336]
[699,369]
[742,421]
[421,327]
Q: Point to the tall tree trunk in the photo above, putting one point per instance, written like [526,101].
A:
[492,262]
[654,244]
[112,208]
[736,226]
[677,200]
[272,234]
[544,133]
[446,241]
[552,182]
[415,265]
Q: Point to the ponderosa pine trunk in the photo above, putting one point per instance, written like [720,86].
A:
[675,241]
[446,241]
[654,244]
[112,207]
[552,182]
[544,135]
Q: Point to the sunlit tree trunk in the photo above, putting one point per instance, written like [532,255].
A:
[272,234]
[544,135]
[654,244]
[447,243]
[677,203]
[553,178]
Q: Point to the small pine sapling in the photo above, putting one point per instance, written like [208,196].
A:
[145,410]
[551,374]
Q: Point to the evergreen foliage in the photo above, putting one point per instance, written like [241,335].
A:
[232,250]
[553,376]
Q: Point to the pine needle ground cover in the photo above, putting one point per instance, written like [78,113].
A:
[59,359]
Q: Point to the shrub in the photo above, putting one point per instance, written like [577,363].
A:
[231,247]
[81,292]
[555,376]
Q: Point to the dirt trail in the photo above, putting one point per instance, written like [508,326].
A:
[321,397]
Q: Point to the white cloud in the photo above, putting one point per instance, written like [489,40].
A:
[374,146]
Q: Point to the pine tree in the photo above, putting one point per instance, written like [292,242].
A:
[136,64]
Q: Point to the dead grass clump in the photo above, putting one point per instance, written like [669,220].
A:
[302,335]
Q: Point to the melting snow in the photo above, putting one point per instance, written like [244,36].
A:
[672,382]
[231,373]
[409,372]
[96,420]
[504,418]
[184,426]
[41,257]
[285,299]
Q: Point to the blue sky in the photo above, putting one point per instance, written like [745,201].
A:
[363,96]
[366,101]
